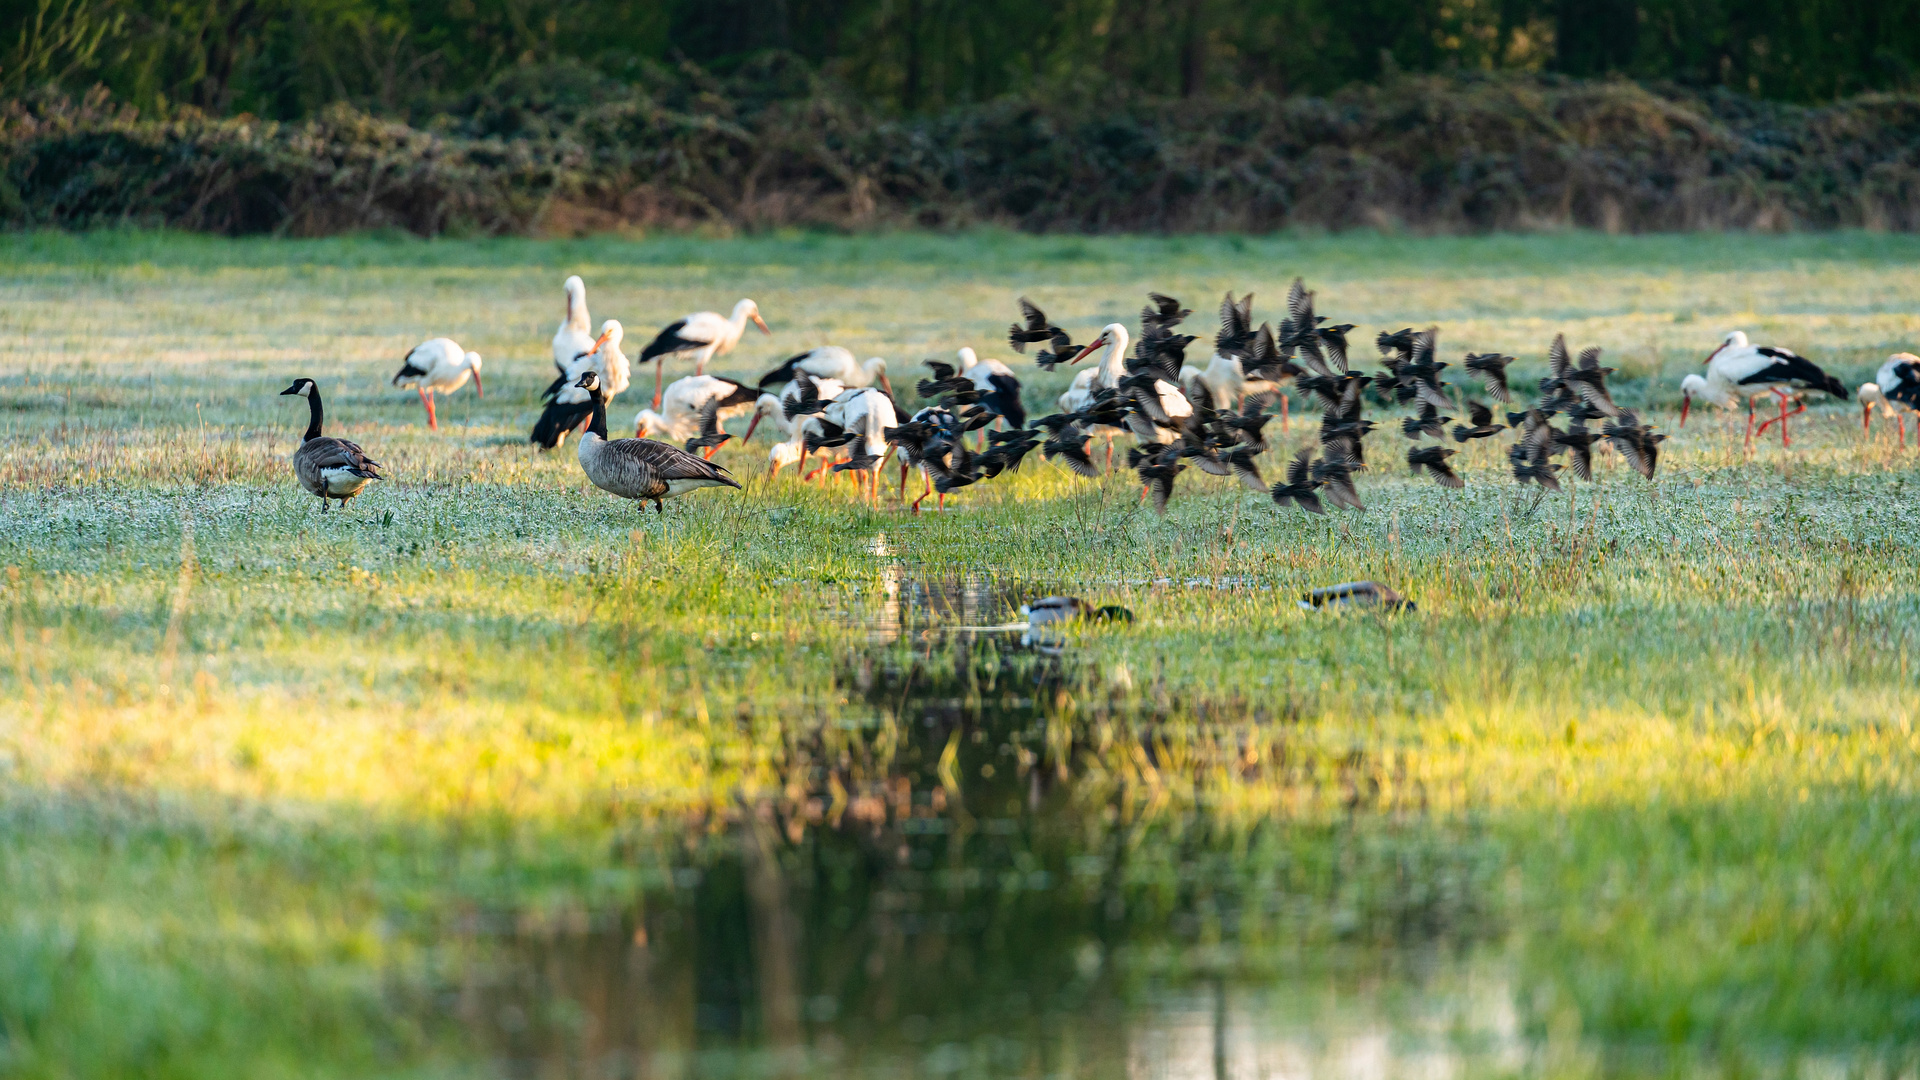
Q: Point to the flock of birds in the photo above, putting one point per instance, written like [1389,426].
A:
[1180,414]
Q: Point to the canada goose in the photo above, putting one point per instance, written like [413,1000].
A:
[639,469]
[329,468]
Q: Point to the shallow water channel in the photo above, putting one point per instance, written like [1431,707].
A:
[945,890]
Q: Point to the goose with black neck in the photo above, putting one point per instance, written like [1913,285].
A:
[640,469]
[327,467]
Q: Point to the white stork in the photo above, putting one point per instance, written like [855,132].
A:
[865,413]
[703,335]
[439,366]
[1739,370]
[830,362]
[998,386]
[678,418]
[1895,390]
[575,335]
[568,405]
[1105,376]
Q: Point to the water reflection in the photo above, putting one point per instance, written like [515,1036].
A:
[973,880]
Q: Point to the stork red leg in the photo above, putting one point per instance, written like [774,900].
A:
[1749,423]
[923,494]
[1785,440]
[1283,414]
[659,373]
[433,422]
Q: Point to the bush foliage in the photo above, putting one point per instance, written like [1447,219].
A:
[564,150]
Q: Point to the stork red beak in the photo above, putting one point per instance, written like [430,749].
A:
[478,386]
[1091,345]
[1714,353]
[754,423]
[1686,402]
[886,384]
[602,340]
[762,324]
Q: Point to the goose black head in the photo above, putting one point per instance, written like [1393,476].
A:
[301,387]
[588,380]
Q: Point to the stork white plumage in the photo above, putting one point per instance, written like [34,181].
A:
[1740,370]
[575,335]
[439,366]
[702,335]
[1104,376]
[568,405]
[999,388]
[1895,391]
[865,413]
[798,428]
[678,418]
[830,362]
[1221,383]
[773,407]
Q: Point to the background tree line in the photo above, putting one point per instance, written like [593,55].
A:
[289,59]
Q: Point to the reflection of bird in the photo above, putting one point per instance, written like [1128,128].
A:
[439,366]
[1739,370]
[1058,609]
[328,467]
[1434,460]
[1895,390]
[1357,594]
[639,469]
[702,335]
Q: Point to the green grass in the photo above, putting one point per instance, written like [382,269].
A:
[287,794]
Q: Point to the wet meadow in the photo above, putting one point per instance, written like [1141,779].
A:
[494,776]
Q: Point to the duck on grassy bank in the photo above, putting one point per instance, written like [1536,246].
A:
[1357,594]
[328,467]
[1059,609]
[439,366]
[639,469]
